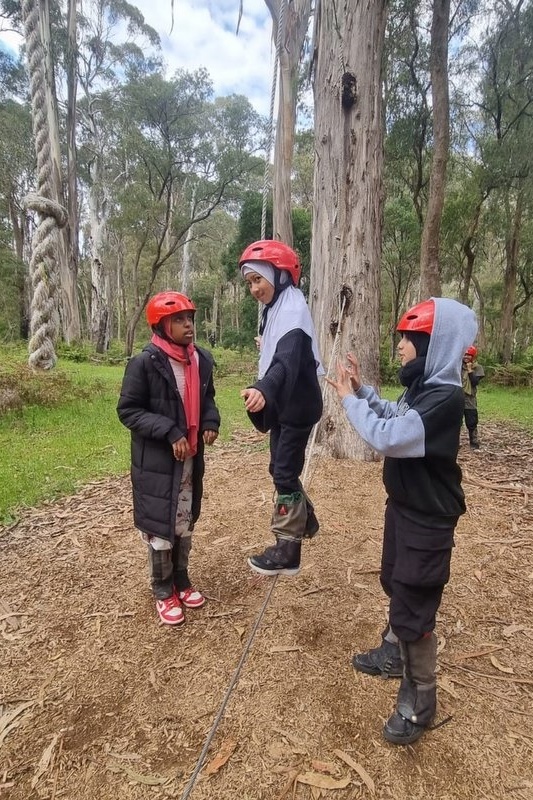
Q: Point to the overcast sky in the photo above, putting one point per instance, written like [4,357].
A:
[203,35]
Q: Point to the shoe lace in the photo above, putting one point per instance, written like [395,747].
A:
[172,602]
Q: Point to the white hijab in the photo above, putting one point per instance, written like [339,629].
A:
[289,312]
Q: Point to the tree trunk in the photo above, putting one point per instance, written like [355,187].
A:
[430,283]
[100,286]
[296,21]
[348,199]
[512,248]
[71,313]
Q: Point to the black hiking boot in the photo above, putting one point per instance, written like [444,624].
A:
[283,558]
[415,709]
[474,438]
[385,660]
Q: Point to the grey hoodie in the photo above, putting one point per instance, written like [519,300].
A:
[420,437]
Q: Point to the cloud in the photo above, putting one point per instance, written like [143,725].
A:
[202,33]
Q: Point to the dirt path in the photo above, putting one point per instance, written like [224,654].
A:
[99,702]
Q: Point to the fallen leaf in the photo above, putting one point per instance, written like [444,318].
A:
[447,686]
[323,766]
[361,771]
[138,777]
[510,629]
[227,748]
[322,781]
[44,761]
[7,722]
[495,663]
[478,574]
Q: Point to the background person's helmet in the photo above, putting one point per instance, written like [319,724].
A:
[280,255]
[471,351]
[166,303]
[419,318]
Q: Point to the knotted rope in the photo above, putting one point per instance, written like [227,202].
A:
[52,216]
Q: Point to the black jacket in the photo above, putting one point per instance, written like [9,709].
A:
[151,407]
[290,385]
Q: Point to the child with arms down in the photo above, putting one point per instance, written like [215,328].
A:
[167,401]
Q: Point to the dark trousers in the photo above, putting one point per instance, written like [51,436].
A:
[168,568]
[287,456]
[415,566]
[471,418]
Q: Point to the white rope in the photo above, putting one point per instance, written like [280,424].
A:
[333,358]
[43,261]
[270,130]
[234,679]
[236,675]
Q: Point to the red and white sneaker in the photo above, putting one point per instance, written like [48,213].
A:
[191,598]
[170,610]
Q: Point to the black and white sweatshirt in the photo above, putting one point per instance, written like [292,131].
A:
[420,438]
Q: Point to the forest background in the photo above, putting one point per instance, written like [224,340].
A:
[169,180]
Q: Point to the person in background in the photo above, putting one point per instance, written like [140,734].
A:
[167,401]
[419,438]
[286,399]
[471,375]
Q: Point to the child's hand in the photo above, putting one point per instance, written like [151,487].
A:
[210,436]
[257,340]
[354,371]
[343,383]
[254,400]
[181,449]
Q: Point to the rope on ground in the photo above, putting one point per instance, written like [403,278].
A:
[234,679]
[43,270]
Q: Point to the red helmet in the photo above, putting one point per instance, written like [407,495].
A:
[471,351]
[418,318]
[280,255]
[166,303]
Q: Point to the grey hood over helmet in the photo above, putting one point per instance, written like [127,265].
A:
[454,329]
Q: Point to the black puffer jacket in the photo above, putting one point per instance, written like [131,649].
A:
[151,407]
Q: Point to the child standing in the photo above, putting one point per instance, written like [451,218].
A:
[167,402]
[471,375]
[286,399]
[419,437]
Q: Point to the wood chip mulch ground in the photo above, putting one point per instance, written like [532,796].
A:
[100,702]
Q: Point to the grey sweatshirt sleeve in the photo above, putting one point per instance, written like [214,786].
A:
[391,436]
[383,408]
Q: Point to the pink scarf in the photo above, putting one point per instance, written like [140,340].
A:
[191,399]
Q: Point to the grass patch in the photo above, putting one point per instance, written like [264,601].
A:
[65,432]
[72,435]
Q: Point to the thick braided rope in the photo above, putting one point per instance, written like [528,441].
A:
[43,262]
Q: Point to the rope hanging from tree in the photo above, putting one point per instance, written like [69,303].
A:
[52,216]
[270,131]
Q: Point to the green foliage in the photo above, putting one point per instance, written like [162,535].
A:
[64,430]
[20,387]
[234,362]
